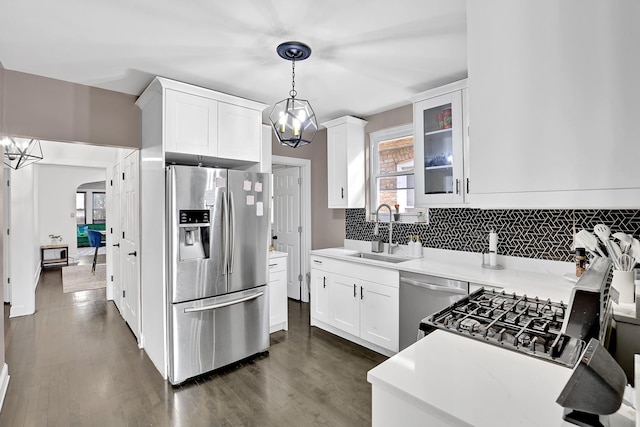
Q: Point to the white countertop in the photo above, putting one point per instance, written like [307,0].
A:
[475,382]
[478,383]
[277,254]
[522,276]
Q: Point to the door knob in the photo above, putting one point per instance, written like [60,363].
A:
[134,253]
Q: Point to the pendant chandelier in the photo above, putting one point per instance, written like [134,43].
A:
[292,119]
[20,152]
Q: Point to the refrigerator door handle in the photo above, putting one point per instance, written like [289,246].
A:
[232,226]
[224,304]
[225,234]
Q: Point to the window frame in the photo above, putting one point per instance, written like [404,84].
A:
[84,208]
[375,138]
[93,207]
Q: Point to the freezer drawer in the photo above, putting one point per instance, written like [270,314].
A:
[210,333]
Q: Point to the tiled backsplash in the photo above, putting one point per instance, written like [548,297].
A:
[531,233]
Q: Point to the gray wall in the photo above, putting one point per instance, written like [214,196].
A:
[44,108]
[327,225]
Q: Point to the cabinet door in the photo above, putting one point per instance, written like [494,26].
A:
[337,167]
[345,303]
[277,300]
[239,133]
[439,150]
[320,295]
[379,315]
[190,124]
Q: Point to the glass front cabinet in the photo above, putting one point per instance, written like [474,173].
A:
[441,145]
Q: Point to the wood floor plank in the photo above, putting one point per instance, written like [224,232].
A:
[76,363]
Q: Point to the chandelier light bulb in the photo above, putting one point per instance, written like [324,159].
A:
[296,127]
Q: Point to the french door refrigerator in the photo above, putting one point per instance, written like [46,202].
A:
[218,234]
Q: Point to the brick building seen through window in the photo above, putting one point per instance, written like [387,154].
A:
[393,172]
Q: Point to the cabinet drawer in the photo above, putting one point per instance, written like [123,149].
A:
[277,264]
[356,269]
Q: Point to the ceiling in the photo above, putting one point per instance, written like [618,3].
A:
[367,57]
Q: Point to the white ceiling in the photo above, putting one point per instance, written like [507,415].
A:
[367,57]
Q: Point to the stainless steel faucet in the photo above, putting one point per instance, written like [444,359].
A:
[391,244]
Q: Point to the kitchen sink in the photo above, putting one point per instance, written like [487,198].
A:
[376,257]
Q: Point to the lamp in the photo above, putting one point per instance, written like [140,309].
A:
[20,152]
[293,120]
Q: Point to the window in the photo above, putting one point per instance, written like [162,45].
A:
[392,179]
[99,210]
[81,207]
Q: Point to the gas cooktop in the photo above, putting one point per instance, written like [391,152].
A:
[515,322]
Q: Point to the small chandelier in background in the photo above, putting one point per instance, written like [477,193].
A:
[20,152]
[293,120]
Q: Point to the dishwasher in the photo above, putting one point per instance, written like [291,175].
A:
[422,295]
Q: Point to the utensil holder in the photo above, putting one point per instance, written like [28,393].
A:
[623,281]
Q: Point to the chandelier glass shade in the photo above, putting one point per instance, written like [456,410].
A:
[293,120]
[20,152]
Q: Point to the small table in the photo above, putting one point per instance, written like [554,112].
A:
[62,260]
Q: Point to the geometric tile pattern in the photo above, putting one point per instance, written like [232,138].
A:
[531,233]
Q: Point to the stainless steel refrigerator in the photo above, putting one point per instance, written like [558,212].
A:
[218,234]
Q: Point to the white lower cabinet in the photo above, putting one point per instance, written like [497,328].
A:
[278,318]
[356,301]
[379,315]
[344,304]
[319,295]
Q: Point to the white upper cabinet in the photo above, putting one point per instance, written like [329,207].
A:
[239,132]
[555,108]
[202,122]
[191,124]
[440,145]
[345,162]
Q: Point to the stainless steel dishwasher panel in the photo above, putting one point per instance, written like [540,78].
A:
[422,295]
[214,332]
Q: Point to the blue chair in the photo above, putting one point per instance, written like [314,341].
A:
[94,242]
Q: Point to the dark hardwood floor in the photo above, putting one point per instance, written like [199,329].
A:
[76,363]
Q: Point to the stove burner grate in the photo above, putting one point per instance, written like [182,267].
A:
[516,322]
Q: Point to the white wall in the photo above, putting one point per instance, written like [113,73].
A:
[57,200]
[25,245]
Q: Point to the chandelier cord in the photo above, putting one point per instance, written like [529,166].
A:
[292,92]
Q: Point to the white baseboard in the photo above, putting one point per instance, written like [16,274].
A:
[4,383]
[20,310]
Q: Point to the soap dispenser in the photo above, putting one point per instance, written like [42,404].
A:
[418,247]
[411,246]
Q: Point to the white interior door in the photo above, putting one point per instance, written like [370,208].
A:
[6,253]
[116,235]
[287,224]
[129,243]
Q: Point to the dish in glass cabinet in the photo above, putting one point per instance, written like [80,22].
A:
[440,160]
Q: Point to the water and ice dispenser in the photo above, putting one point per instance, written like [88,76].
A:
[193,239]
